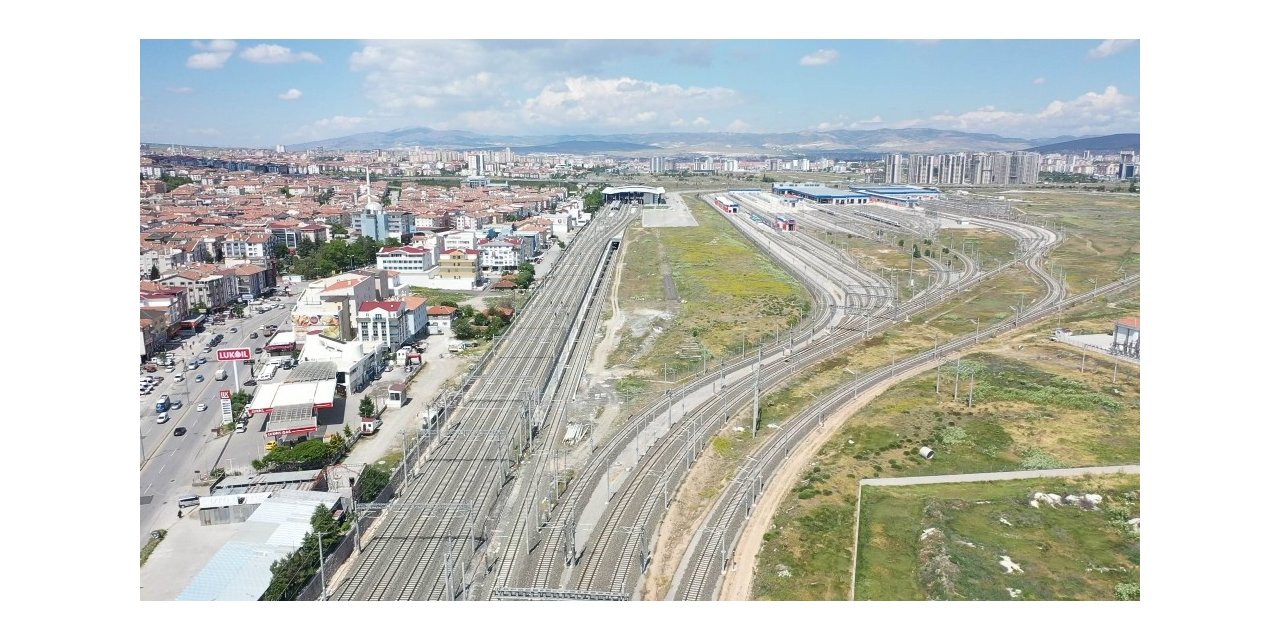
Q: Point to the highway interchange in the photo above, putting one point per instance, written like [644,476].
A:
[487,513]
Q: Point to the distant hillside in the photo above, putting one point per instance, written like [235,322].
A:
[583,146]
[807,143]
[1103,144]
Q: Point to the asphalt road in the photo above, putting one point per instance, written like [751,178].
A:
[173,463]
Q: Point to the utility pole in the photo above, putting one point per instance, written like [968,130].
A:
[971,387]
[755,406]
[955,394]
[320,547]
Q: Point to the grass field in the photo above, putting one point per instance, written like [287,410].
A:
[946,542]
[995,247]
[1033,408]
[1102,233]
[727,293]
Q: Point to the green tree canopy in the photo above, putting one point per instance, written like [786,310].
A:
[366,407]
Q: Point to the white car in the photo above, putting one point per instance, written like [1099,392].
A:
[169,369]
[201,406]
[241,428]
[162,418]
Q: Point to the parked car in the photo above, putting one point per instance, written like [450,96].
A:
[232,330]
[253,335]
[249,383]
[169,369]
[257,349]
[178,431]
[201,360]
[191,366]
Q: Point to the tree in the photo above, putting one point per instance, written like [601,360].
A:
[496,324]
[217,253]
[336,229]
[463,329]
[390,242]
[155,273]
[900,242]
[915,250]
[593,201]
[372,481]
[366,407]
[279,250]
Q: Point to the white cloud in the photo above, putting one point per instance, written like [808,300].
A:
[821,56]
[738,125]
[1038,81]
[701,121]
[327,127]
[1110,47]
[206,132]
[876,121]
[292,94]
[1088,114]
[465,83]
[214,54]
[617,103]
[180,90]
[276,54]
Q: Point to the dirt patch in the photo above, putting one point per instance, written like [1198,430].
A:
[738,584]
[689,508]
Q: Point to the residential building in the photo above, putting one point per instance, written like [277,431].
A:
[203,290]
[415,311]
[460,239]
[407,259]
[385,322]
[460,264]
[251,281]
[499,255]
[440,320]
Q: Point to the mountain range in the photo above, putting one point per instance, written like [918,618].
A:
[872,141]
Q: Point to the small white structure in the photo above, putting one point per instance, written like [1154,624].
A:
[926,453]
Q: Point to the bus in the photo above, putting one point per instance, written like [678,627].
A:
[162,405]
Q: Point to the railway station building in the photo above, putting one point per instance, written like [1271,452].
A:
[895,195]
[635,194]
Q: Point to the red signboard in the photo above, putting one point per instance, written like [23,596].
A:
[225,394]
[291,432]
[233,354]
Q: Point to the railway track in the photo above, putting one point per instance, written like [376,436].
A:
[425,551]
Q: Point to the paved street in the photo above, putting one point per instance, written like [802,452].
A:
[172,464]
[1002,475]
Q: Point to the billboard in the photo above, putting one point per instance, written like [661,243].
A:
[225,355]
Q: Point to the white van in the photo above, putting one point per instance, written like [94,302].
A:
[220,374]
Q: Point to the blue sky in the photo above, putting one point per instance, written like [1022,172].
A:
[266,92]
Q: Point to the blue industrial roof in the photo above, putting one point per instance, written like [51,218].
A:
[821,192]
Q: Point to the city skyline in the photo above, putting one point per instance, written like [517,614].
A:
[261,93]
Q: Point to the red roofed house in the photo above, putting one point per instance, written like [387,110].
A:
[384,322]
[440,320]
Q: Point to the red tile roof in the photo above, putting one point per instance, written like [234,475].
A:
[441,310]
[386,251]
[1131,321]
[385,305]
